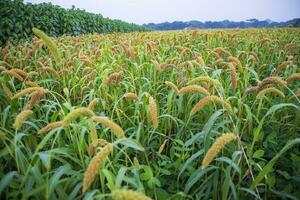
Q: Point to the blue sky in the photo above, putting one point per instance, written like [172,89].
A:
[145,11]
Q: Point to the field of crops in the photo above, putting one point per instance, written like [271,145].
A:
[200,114]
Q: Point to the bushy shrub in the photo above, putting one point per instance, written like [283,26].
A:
[17,20]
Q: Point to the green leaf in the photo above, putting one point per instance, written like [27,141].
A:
[206,129]
[127,142]
[278,106]
[226,184]
[147,174]
[195,176]
[250,191]
[257,131]
[110,179]
[193,157]
[230,163]
[268,167]
[54,180]
[5,181]
[259,153]
[120,177]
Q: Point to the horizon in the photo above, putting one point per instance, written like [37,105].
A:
[138,11]
[225,20]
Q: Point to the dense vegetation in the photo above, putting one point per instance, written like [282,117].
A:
[17,20]
[168,115]
[251,23]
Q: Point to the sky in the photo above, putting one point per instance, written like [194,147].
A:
[157,11]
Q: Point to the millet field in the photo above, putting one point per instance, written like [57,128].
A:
[198,114]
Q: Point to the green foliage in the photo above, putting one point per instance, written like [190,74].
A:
[18,19]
